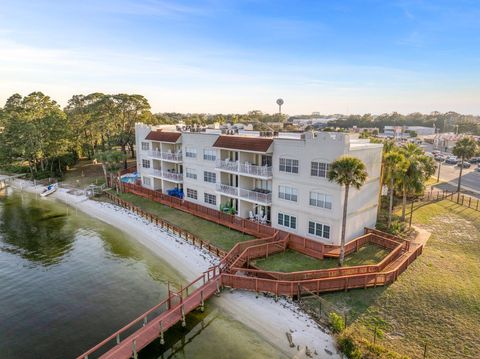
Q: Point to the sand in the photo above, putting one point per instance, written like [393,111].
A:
[270,319]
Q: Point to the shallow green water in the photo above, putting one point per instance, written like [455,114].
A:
[67,281]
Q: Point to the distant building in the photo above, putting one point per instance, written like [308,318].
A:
[279,180]
[403,131]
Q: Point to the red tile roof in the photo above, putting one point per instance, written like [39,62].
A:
[244,143]
[159,135]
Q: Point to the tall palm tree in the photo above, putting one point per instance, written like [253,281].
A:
[349,172]
[466,148]
[395,165]
[419,168]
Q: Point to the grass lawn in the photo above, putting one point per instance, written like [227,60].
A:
[292,261]
[436,301]
[218,235]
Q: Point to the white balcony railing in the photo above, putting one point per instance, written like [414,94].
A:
[255,196]
[178,177]
[226,189]
[245,168]
[172,176]
[167,156]
[171,156]
[155,154]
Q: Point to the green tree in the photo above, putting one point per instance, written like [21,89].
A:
[349,172]
[395,165]
[35,132]
[111,164]
[418,169]
[465,149]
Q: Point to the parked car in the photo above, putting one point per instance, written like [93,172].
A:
[477,169]
[439,158]
[474,160]
[452,160]
[465,164]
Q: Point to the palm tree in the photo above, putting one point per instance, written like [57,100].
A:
[466,148]
[418,169]
[347,171]
[111,163]
[395,165]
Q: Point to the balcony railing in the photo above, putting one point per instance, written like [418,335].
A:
[245,168]
[172,176]
[256,196]
[172,156]
[167,156]
[166,175]
[155,154]
[230,190]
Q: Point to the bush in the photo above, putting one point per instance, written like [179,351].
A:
[347,346]
[336,322]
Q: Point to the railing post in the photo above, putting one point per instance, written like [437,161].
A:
[134,349]
[183,316]
[145,320]
[118,338]
[202,303]
[162,340]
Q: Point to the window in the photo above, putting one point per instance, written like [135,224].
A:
[209,155]
[320,200]
[286,220]
[210,198]
[191,152]
[145,163]
[319,169]
[190,173]
[145,146]
[209,177]
[288,165]
[146,181]
[192,193]
[288,193]
[318,229]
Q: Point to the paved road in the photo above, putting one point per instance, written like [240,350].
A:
[470,179]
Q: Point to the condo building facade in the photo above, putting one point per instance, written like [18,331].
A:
[279,180]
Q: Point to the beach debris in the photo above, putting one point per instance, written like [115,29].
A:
[308,353]
[290,339]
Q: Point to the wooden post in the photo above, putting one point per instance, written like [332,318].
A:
[134,349]
[202,303]
[184,323]
[118,338]
[162,340]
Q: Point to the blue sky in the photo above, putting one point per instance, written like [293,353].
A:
[235,56]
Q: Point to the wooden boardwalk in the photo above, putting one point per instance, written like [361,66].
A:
[233,272]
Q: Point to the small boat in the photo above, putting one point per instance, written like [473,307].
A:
[49,190]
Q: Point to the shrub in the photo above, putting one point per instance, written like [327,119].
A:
[336,322]
[347,346]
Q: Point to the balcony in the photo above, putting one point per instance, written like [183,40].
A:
[245,168]
[173,176]
[256,195]
[169,176]
[166,156]
[226,189]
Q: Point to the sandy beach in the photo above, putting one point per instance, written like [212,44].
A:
[270,319]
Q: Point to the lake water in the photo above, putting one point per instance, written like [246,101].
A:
[67,281]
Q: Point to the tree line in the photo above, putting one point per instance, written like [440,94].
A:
[41,136]
[445,122]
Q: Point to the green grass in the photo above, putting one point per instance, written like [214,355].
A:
[291,261]
[218,235]
[436,301]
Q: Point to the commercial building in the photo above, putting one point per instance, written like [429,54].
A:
[278,180]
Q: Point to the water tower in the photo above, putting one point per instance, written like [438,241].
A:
[279,103]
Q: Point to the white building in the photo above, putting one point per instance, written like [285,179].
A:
[278,180]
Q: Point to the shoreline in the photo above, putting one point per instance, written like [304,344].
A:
[269,319]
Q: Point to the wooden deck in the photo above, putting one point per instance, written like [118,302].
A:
[232,272]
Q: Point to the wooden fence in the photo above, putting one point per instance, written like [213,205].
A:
[240,224]
[169,227]
[319,285]
[462,199]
